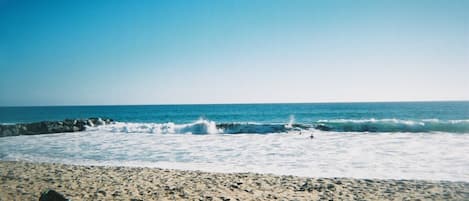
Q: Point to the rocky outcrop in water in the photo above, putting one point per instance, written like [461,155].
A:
[46,127]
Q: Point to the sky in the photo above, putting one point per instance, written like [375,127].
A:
[232,51]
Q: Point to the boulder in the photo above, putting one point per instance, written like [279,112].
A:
[89,123]
[51,195]
[76,128]
[96,121]
[37,127]
[6,132]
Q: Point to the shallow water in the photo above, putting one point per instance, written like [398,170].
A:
[435,156]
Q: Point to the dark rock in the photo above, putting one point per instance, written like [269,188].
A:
[6,132]
[76,128]
[96,121]
[46,127]
[225,198]
[307,186]
[102,192]
[38,127]
[116,193]
[68,122]
[51,195]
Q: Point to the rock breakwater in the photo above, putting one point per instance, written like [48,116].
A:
[47,127]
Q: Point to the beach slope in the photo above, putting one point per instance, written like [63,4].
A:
[25,181]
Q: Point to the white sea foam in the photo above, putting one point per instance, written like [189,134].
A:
[200,126]
[203,126]
[433,156]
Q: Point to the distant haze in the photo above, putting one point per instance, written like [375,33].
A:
[172,52]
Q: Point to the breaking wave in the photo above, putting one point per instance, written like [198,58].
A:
[198,127]
[393,125]
[203,126]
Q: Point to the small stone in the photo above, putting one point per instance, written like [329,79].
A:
[102,192]
[225,198]
[51,195]
[116,193]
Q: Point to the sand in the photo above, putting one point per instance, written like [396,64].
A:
[25,181]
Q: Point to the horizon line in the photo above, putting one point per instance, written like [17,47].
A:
[234,103]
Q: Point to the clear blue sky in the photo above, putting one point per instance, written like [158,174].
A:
[171,52]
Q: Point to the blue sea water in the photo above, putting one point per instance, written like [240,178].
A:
[352,117]
[405,140]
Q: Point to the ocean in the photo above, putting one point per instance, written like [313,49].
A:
[400,140]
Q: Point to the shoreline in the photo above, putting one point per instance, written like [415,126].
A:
[25,181]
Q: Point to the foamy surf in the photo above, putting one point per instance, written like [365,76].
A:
[200,126]
[430,156]
[203,126]
[393,141]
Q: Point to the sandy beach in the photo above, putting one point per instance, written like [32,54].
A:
[25,181]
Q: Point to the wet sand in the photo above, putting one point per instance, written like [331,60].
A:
[25,181]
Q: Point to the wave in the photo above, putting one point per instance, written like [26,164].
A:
[198,127]
[236,128]
[393,125]
[203,126]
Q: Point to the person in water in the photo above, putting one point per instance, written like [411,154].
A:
[311,136]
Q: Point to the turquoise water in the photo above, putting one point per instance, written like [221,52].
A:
[342,117]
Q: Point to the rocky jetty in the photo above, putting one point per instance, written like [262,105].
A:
[47,127]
